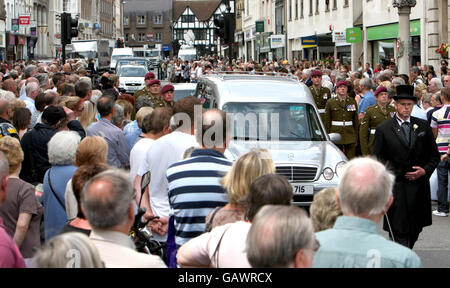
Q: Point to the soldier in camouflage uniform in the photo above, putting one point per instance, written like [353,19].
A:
[321,94]
[152,90]
[341,116]
[374,116]
[167,93]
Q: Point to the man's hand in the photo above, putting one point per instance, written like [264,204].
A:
[70,115]
[444,157]
[412,176]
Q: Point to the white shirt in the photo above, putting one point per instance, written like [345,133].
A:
[419,112]
[164,152]
[136,155]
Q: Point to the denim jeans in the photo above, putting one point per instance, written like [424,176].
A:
[442,173]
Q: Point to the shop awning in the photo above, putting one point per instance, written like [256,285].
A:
[390,31]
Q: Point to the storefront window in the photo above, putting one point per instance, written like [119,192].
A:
[383,49]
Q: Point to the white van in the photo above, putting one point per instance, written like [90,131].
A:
[119,53]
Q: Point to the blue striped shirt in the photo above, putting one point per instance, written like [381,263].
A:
[195,189]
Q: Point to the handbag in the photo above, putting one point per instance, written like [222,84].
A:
[209,227]
[53,191]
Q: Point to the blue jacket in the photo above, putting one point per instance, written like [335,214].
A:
[354,242]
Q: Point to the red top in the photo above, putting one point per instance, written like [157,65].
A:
[10,256]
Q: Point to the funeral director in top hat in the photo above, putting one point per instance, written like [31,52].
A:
[407,146]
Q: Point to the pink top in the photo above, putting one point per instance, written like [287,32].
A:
[10,256]
[231,253]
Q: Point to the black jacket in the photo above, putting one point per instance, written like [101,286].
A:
[34,146]
[411,209]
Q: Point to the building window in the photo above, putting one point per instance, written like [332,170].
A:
[317,7]
[334,4]
[187,18]
[310,7]
[201,34]
[301,8]
[248,7]
[327,5]
[296,9]
[179,34]
[126,37]
[158,37]
[290,10]
[141,37]
[140,20]
[158,19]
[126,21]
[345,3]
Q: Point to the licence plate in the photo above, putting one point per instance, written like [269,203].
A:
[300,189]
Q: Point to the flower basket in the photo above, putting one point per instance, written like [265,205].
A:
[443,50]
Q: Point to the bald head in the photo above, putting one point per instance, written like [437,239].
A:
[214,129]
[4,109]
[32,89]
[365,187]
[67,67]
[106,199]
[10,85]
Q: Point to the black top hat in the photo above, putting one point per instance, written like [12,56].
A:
[405,92]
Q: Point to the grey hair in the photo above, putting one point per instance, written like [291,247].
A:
[31,87]
[366,82]
[426,98]
[43,79]
[437,96]
[108,208]
[56,253]
[398,81]
[277,233]
[96,94]
[28,70]
[7,95]
[365,187]
[62,148]
[87,80]
[340,77]
[438,83]
[119,115]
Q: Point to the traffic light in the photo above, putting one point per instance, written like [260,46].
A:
[69,28]
[220,27]
[120,43]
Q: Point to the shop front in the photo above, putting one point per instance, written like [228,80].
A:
[309,46]
[382,42]
[296,48]
[277,44]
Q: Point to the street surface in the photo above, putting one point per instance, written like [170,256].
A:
[433,246]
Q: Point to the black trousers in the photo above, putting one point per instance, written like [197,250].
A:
[405,240]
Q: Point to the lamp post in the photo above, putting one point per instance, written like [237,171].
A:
[404,11]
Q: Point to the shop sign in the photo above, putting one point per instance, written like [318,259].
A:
[353,35]
[21,40]
[390,31]
[339,37]
[2,40]
[24,20]
[259,26]
[309,42]
[15,24]
[277,41]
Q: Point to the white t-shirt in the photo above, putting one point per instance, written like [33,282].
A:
[137,155]
[164,152]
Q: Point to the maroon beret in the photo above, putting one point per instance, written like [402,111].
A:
[167,88]
[316,73]
[380,89]
[340,83]
[149,75]
[153,82]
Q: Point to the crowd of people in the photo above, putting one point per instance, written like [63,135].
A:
[75,151]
